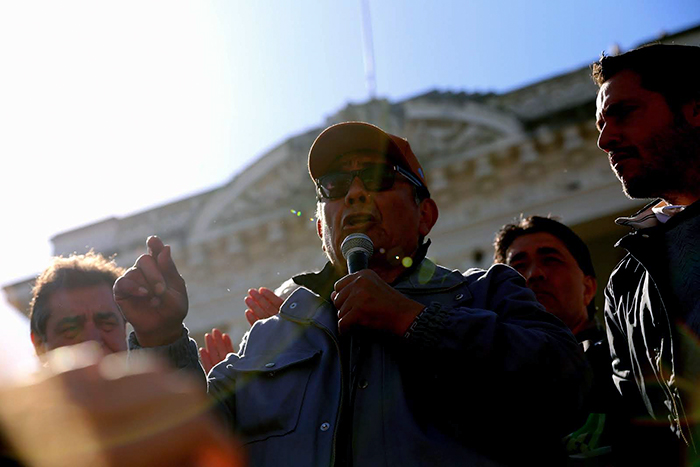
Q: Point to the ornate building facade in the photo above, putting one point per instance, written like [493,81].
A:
[488,158]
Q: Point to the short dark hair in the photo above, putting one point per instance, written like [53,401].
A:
[670,70]
[536,224]
[68,273]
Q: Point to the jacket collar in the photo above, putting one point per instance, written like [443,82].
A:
[321,282]
[642,219]
[429,277]
[646,219]
[305,306]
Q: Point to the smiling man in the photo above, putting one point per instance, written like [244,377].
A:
[72,302]
[404,363]
[648,116]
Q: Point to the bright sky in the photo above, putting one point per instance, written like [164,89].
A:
[109,108]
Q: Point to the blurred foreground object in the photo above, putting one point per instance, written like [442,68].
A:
[87,410]
[18,358]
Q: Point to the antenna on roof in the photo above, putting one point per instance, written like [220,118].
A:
[368,49]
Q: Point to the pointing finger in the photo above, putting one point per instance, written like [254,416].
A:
[154,244]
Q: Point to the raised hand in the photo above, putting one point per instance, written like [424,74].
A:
[153,297]
[364,299]
[262,303]
[216,346]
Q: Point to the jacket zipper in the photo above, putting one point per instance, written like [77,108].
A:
[675,398]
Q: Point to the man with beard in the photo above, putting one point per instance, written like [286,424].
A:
[648,116]
[402,363]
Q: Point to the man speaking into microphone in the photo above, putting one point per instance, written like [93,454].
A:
[403,362]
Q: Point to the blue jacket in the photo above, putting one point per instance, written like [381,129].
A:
[487,377]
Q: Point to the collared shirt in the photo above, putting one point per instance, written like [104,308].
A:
[322,282]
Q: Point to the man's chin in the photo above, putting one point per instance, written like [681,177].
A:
[547,301]
[641,186]
[635,190]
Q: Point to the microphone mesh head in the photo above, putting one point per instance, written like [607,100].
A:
[357,241]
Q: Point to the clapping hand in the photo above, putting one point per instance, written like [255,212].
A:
[262,303]
[216,346]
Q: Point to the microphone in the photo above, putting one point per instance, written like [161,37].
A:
[357,249]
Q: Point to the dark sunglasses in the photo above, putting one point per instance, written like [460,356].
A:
[379,177]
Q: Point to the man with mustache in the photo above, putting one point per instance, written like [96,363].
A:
[402,363]
[648,116]
[72,302]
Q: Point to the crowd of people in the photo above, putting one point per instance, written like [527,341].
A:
[400,362]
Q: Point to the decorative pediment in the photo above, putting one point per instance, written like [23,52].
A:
[442,130]
[256,194]
[439,124]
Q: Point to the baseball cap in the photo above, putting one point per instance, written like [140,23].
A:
[346,137]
